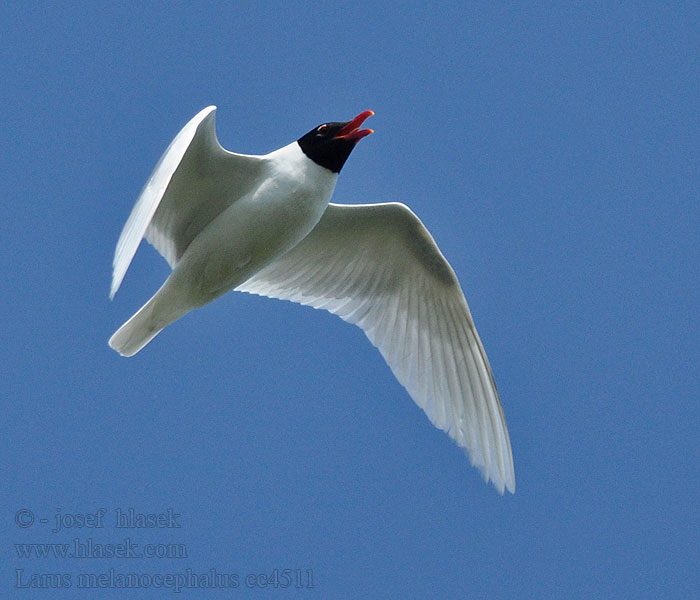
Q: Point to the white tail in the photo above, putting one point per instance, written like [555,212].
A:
[137,331]
[161,310]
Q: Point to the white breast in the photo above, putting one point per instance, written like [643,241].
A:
[258,228]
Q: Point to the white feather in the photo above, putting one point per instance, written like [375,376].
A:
[251,223]
[376,266]
[189,187]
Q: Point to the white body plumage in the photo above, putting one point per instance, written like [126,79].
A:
[268,208]
[265,225]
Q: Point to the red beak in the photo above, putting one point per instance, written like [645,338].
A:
[352,130]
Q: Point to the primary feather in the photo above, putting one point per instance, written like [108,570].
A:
[376,266]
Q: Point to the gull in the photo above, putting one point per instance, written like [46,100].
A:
[265,225]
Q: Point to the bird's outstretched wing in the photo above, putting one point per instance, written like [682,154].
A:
[193,182]
[377,266]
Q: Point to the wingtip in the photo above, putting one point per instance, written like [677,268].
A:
[502,487]
[510,486]
[504,483]
[114,286]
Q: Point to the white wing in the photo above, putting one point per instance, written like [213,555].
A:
[194,181]
[378,267]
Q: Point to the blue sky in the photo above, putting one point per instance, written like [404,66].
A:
[552,151]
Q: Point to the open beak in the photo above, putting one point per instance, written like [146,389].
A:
[352,129]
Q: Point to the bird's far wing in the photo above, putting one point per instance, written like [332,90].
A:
[192,183]
[378,267]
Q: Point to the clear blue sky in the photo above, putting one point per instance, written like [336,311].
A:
[552,151]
